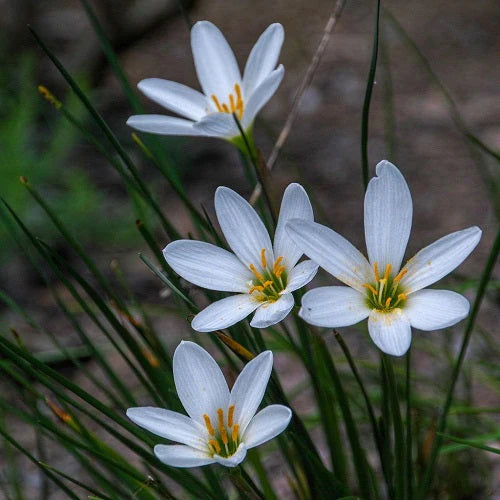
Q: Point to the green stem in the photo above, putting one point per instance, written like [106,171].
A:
[409,457]
[399,447]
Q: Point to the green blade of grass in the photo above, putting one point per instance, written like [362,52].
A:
[470,443]
[367,99]
[441,427]
[169,229]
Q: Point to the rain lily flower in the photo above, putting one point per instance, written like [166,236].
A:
[222,425]
[224,91]
[390,296]
[263,275]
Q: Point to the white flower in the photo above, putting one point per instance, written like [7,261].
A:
[222,425]
[264,275]
[224,91]
[391,297]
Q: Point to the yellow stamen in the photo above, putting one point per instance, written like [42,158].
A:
[225,108]
[208,424]
[256,287]
[263,257]
[366,285]
[402,296]
[388,302]
[217,103]
[231,103]
[222,427]
[387,272]
[382,282]
[267,283]
[237,89]
[257,274]
[400,275]
[215,445]
[234,434]
[276,265]
[375,271]
[230,414]
[279,271]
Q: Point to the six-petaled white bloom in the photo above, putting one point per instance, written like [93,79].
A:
[391,297]
[224,91]
[264,275]
[222,424]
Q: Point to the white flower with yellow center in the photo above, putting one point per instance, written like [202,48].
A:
[224,91]
[391,297]
[222,425]
[263,275]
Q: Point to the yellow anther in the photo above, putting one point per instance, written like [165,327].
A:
[256,287]
[256,273]
[208,425]
[234,434]
[400,275]
[279,271]
[277,263]
[237,89]
[402,296]
[375,271]
[388,302]
[263,257]
[230,414]
[217,103]
[225,108]
[387,272]
[369,287]
[267,283]
[231,103]
[222,427]
[215,445]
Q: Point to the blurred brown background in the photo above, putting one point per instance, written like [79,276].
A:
[461,41]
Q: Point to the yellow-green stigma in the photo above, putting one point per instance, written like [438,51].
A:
[223,439]
[269,282]
[385,294]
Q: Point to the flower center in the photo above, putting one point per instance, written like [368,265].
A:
[269,283]
[236,104]
[385,294]
[224,439]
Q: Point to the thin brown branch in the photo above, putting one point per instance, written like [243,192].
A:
[306,81]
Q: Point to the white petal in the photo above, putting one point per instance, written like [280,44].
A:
[242,227]
[333,306]
[268,423]
[235,459]
[294,205]
[207,266]
[301,275]
[215,63]
[175,97]
[440,258]
[177,455]
[435,309]
[249,388]
[332,252]
[199,382]
[390,331]
[224,313]
[220,125]
[261,95]
[170,425]
[263,57]
[271,313]
[162,125]
[388,214]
